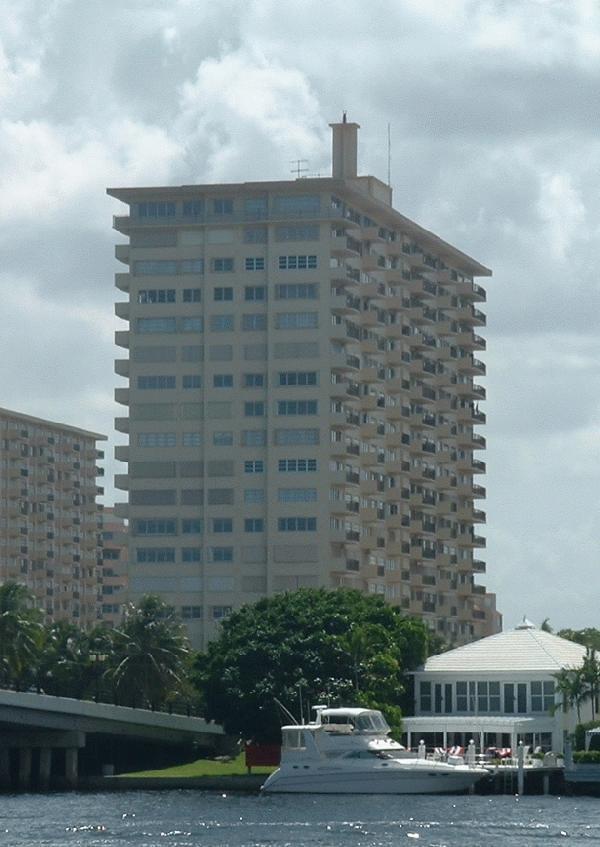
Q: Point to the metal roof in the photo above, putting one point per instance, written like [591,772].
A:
[525,648]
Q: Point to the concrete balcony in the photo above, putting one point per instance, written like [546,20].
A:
[122,253]
[122,396]
[368,515]
[343,420]
[122,367]
[368,431]
[123,281]
[337,535]
[394,357]
[344,304]
[369,262]
[368,402]
[344,247]
[338,449]
[122,310]
[370,346]
[122,338]
[122,424]
[369,318]
[395,548]
[122,511]
[369,459]
[395,439]
[395,413]
[471,290]
[368,375]
[122,452]
[122,481]
[339,508]
[395,303]
[371,233]
[343,362]
[398,332]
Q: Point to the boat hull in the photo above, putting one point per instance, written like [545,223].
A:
[396,781]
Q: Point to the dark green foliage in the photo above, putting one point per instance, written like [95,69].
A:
[307,647]
[580,731]
[587,757]
[21,636]
[578,685]
[144,663]
[64,664]
[589,636]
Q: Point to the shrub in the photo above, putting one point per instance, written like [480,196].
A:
[587,757]
[580,731]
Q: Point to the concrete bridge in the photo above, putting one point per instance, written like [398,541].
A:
[44,740]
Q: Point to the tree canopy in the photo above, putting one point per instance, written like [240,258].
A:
[21,635]
[307,647]
[589,637]
[145,662]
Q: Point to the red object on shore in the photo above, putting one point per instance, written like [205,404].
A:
[263,755]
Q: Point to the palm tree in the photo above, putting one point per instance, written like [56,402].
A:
[65,664]
[572,686]
[150,653]
[590,672]
[21,634]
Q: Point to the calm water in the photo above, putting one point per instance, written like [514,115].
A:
[188,819]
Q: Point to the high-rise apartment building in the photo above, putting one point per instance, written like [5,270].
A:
[302,403]
[50,521]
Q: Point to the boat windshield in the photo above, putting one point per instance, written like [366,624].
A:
[372,722]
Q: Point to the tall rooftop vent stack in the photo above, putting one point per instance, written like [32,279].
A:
[344,149]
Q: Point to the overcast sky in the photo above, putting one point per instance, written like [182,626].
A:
[495,118]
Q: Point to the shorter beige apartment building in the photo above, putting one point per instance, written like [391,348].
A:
[114,572]
[50,520]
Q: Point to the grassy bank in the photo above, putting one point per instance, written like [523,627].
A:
[203,767]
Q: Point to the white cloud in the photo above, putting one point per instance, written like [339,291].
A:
[245,116]
[495,128]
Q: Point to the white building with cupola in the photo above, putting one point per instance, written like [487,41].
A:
[499,690]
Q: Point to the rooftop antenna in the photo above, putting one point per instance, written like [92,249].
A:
[300,166]
[389,172]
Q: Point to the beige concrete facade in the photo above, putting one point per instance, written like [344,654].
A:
[50,522]
[115,552]
[302,404]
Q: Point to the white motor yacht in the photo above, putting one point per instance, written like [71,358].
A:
[349,751]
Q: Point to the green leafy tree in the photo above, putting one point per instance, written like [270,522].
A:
[21,635]
[307,646]
[589,637]
[149,654]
